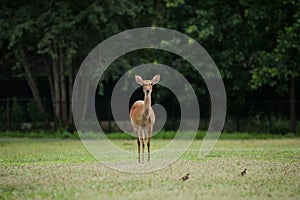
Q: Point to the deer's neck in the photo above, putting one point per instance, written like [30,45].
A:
[147,105]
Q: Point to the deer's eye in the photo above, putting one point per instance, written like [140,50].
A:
[151,84]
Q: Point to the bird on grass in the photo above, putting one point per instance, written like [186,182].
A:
[186,177]
[243,172]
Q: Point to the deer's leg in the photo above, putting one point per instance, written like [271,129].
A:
[148,141]
[143,144]
[138,144]
[148,145]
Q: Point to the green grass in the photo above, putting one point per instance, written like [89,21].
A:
[63,169]
[161,135]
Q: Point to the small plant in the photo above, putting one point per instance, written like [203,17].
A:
[33,111]
[2,118]
[36,116]
[17,115]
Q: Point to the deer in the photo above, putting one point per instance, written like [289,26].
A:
[142,116]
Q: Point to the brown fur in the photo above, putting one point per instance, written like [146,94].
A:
[136,115]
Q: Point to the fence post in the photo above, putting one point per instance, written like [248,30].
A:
[270,123]
[237,121]
[109,118]
[7,114]
[173,117]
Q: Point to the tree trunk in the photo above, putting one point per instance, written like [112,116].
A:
[31,82]
[85,100]
[51,82]
[64,111]
[293,123]
[70,72]
[56,101]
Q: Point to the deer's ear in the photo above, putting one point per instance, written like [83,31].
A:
[139,80]
[155,79]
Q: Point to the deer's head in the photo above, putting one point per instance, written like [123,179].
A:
[147,84]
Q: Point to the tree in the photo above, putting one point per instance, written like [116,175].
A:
[254,44]
[19,28]
[278,64]
[46,36]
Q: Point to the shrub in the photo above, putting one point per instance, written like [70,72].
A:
[17,115]
[280,126]
[33,111]
[2,118]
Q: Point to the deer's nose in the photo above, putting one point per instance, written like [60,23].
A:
[147,90]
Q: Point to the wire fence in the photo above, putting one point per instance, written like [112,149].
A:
[22,114]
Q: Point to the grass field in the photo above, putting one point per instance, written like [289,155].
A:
[63,169]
